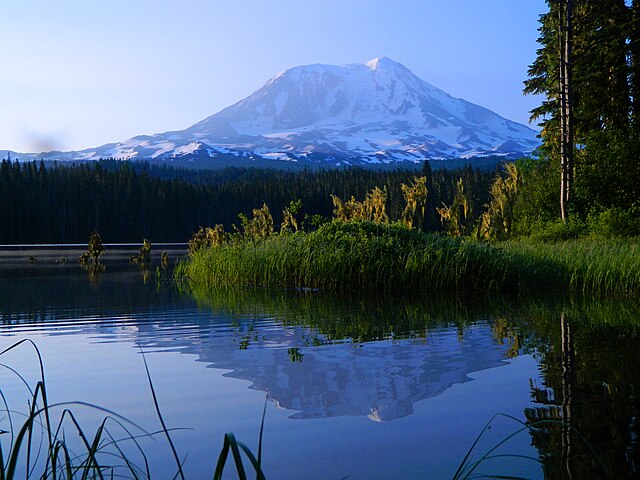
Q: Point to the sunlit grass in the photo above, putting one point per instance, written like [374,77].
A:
[359,256]
[368,257]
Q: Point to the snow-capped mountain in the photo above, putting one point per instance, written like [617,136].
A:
[373,113]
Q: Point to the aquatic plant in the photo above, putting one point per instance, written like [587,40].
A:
[415,196]
[145,251]
[373,208]
[289,220]
[95,249]
[233,445]
[61,458]
[453,215]
[496,221]
[207,237]
[144,257]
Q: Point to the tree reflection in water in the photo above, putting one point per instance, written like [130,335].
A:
[591,370]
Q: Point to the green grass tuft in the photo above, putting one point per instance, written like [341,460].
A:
[368,257]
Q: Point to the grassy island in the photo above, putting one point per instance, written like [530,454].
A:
[374,257]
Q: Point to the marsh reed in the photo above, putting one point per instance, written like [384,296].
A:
[390,258]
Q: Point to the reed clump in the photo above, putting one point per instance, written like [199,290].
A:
[366,257]
[363,256]
[40,442]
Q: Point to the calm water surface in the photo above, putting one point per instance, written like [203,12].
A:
[369,388]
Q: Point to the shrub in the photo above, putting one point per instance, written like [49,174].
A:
[615,222]
[558,231]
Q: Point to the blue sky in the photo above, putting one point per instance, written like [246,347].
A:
[77,74]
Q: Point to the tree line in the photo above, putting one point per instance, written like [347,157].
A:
[127,201]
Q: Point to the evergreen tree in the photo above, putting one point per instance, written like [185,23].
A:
[604,102]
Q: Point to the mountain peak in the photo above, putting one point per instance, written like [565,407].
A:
[383,63]
[376,112]
[375,64]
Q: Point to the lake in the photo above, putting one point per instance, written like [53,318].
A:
[351,386]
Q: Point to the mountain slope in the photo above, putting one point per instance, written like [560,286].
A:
[378,112]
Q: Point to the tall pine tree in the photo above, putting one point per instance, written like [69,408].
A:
[605,103]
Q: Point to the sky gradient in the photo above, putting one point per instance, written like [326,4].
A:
[79,74]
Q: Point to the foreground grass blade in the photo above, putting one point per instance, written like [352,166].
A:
[164,426]
[264,412]
[59,461]
[230,443]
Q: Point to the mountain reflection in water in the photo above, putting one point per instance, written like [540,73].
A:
[380,379]
[302,367]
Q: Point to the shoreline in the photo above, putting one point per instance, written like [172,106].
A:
[66,256]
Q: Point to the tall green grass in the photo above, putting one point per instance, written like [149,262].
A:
[590,266]
[361,257]
[367,257]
